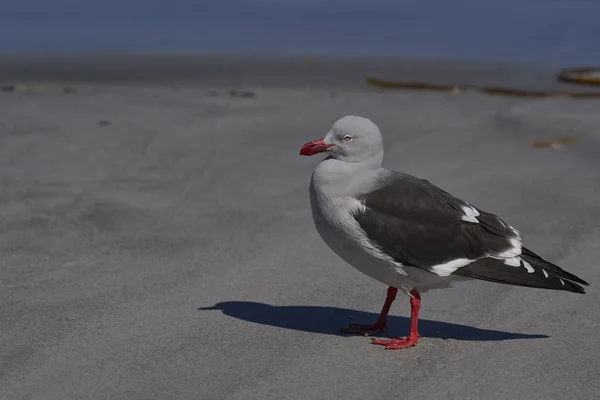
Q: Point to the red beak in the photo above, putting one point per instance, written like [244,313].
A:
[314,147]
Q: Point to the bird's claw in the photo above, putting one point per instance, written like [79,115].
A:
[397,343]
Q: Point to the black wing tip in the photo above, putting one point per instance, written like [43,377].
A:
[573,280]
[573,288]
[557,271]
[544,275]
[567,287]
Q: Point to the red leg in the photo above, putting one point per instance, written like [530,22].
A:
[378,326]
[413,336]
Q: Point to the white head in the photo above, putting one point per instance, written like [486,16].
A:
[350,139]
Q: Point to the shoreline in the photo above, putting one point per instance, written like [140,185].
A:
[274,70]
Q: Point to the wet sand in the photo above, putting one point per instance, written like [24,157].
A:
[133,196]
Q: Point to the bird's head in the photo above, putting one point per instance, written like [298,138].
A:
[350,139]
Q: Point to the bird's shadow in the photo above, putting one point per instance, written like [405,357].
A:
[329,320]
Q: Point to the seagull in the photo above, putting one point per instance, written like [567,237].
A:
[408,233]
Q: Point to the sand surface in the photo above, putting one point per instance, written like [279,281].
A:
[157,243]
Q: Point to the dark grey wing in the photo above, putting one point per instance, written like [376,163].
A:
[418,224]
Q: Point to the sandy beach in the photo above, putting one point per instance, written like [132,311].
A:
[157,240]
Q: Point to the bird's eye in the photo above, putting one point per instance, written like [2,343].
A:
[347,138]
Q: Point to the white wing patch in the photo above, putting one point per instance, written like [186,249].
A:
[511,252]
[513,262]
[511,255]
[528,267]
[545,273]
[471,214]
[518,261]
[449,267]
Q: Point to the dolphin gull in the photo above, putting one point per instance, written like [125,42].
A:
[408,233]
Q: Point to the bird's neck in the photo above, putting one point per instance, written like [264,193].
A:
[342,178]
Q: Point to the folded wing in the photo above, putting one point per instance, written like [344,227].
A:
[420,225]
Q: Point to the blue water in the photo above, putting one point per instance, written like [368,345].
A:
[557,32]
